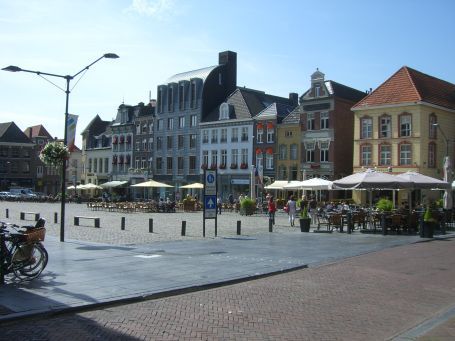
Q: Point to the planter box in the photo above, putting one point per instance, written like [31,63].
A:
[305,224]
[427,229]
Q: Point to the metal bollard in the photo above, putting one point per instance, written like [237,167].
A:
[122,227]
[383,225]
[150,225]
[183,227]
[349,222]
[7,213]
[55,217]
[270,225]
[239,227]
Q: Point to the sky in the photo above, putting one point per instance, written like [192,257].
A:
[279,44]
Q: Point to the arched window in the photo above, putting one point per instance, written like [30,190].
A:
[405,152]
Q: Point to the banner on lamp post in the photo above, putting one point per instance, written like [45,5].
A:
[71,132]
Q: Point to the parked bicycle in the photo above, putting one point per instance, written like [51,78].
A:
[22,251]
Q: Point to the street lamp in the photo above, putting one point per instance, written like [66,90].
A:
[68,79]
[444,136]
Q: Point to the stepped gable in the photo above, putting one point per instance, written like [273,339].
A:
[409,86]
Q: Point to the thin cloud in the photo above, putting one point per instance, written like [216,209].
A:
[152,8]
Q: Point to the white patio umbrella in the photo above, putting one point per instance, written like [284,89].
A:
[278,184]
[371,179]
[420,181]
[448,200]
[89,186]
[151,183]
[316,184]
[114,183]
[293,185]
[71,187]
[196,185]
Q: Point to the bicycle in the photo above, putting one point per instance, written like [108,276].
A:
[22,251]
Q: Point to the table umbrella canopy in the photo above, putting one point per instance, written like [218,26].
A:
[277,184]
[420,181]
[193,185]
[371,179]
[151,183]
[71,187]
[316,184]
[293,185]
[114,183]
[89,186]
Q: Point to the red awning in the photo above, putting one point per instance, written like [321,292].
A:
[269,151]
[258,151]
[269,125]
[260,125]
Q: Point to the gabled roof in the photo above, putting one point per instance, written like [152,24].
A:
[276,111]
[408,86]
[338,90]
[187,76]
[96,126]
[293,117]
[37,131]
[10,132]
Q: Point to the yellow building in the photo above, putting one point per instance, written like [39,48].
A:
[289,138]
[407,123]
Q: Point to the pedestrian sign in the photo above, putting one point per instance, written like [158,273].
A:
[210,206]
[210,182]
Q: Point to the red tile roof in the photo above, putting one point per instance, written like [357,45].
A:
[409,85]
[36,131]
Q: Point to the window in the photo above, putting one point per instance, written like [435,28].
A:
[170,99]
[259,160]
[234,156]
[100,166]
[159,125]
[144,128]
[366,128]
[39,170]
[244,137]
[150,146]
[151,128]
[180,165]
[324,120]
[143,163]
[138,145]
[170,124]
[182,96]
[193,95]
[180,140]
[192,163]
[223,157]
[283,172]
[244,156]
[260,133]
[224,111]
[270,134]
[205,157]
[433,129]
[106,165]
[310,146]
[431,155]
[405,125]
[193,121]
[144,144]
[268,161]
[385,127]
[365,154]
[310,121]
[169,142]
[89,165]
[223,135]
[193,140]
[293,151]
[294,173]
[205,136]
[324,151]
[169,164]
[282,152]
[385,155]
[288,133]
[138,129]
[137,162]
[159,165]
[214,157]
[159,142]
[405,154]
[181,122]
[317,90]
[214,136]
[235,135]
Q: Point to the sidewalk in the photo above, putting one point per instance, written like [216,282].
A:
[84,274]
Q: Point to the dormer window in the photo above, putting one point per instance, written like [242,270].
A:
[317,90]
[224,111]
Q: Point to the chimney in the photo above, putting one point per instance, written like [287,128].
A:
[294,99]
[229,59]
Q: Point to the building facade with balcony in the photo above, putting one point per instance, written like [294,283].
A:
[183,101]
[400,126]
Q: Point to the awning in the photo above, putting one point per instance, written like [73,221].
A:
[114,183]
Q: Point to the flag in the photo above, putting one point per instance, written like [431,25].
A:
[71,131]
[258,175]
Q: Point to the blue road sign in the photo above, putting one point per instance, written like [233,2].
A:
[210,178]
[210,202]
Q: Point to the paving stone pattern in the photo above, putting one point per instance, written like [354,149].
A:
[376,296]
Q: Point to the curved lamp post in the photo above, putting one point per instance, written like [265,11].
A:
[68,79]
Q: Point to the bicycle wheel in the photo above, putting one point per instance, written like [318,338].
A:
[29,264]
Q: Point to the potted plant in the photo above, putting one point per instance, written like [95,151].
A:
[305,220]
[427,228]
[54,154]
[247,207]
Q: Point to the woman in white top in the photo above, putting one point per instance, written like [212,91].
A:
[292,210]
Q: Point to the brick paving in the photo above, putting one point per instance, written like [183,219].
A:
[376,296]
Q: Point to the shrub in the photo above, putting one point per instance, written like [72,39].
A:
[384,205]
[304,213]
[247,206]
[54,154]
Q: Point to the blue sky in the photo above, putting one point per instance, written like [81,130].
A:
[278,44]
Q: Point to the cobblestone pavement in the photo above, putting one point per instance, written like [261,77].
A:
[376,296]
[166,226]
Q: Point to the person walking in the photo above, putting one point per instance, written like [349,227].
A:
[219,204]
[313,210]
[272,209]
[292,209]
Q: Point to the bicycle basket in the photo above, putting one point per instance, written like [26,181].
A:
[35,235]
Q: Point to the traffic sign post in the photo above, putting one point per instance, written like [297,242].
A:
[210,199]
